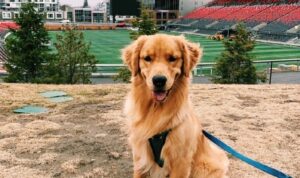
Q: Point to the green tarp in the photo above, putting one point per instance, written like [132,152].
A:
[61,99]
[29,109]
[51,94]
[56,96]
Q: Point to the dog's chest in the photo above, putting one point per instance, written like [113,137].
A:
[146,161]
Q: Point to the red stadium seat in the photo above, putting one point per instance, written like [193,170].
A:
[273,13]
[201,12]
[257,13]
[246,12]
[291,18]
[9,25]
[224,12]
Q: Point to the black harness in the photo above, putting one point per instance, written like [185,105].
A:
[157,142]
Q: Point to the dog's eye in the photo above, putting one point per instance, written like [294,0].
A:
[147,58]
[172,58]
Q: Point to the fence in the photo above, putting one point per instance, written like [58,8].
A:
[268,66]
[206,69]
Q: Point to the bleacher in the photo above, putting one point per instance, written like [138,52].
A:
[270,19]
[3,31]
[3,56]
[8,25]
[273,13]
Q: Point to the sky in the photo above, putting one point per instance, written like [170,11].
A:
[77,3]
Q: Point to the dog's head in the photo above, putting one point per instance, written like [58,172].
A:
[160,60]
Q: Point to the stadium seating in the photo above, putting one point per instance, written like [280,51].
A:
[224,12]
[202,23]
[3,56]
[252,2]
[273,13]
[292,18]
[272,19]
[8,25]
[202,12]
[246,12]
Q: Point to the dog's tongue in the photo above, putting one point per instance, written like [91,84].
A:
[160,96]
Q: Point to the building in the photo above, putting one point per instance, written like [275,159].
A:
[165,10]
[9,9]
[124,9]
[104,7]
[162,10]
[85,14]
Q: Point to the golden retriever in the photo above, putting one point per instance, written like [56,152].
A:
[158,101]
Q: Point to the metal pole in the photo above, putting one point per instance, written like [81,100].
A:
[270,77]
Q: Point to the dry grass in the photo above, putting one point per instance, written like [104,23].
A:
[86,137]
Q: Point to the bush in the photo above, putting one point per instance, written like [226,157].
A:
[235,63]
[123,75]
[73,63]
[146,26]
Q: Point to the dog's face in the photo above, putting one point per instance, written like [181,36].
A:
[160,60]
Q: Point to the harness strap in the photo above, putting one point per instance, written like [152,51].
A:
[157,142]
[258,165]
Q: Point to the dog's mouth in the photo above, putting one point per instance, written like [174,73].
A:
[160,96]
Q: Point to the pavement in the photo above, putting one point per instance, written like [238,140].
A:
[277,78]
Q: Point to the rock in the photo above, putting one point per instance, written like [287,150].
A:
[57,174]
[114,155]
[101,135]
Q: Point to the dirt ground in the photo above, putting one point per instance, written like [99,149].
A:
[87,137]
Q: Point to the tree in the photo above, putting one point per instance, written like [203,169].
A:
[74,63]
[27,47]
[145,26]
[235,63]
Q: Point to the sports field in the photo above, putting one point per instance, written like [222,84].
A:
[106,47]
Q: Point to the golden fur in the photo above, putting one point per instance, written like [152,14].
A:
[186,153]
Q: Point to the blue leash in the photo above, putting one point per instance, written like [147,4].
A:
[252,162]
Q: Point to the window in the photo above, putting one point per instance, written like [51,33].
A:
[6,15]
[59,16]
[50,16]
[98,17]
[70,16]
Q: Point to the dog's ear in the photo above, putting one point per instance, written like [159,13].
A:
[191,54]
[131,54]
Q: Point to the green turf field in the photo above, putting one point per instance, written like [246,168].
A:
[106,47]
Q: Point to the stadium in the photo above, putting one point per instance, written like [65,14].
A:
[274,24]
[80,130]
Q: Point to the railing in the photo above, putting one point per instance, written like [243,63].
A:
[268,66]
[107,70]
[204,69]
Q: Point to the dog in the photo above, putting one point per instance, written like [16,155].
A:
[158,105]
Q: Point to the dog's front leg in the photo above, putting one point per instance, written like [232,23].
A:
[180,169]
[137,174]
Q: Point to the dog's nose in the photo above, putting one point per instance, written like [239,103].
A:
[159,81]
